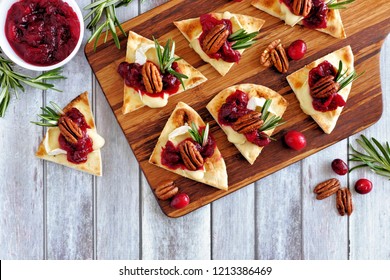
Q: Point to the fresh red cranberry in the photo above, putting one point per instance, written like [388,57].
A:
[363,186]
[339,166]
[180,200]
[295,140]
[297,49]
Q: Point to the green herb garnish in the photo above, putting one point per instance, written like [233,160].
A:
[269,122]
[344,80]
[339,5]
[199,138]
[242,39]
[166,59]
[50,116]
[11,81]
[106,7]
[376,156]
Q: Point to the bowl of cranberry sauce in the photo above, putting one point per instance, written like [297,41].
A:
[40,35]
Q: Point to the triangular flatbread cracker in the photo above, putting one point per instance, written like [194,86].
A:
[299,83]
[214,173]
[249,150]
[132,99]
[93,165]
[334,26]
[191,29]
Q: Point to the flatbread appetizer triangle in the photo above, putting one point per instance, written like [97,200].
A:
[83,155]
[222,60]
[248,114]
[324,95]
[137,94]
[179,152]
[317,16]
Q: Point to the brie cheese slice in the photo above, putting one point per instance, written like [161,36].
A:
[289,17]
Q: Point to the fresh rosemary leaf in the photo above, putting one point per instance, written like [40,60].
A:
[345,80]
[269,122]
[242,39]
[199,138]
[375,156]
[50,116]
[339,5]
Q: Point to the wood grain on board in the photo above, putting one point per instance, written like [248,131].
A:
[364,35]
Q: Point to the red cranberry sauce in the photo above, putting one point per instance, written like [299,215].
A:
[42,32]
[77,153]
[171,158]
[317,16]
[226,52]
[234,108]
[132,74]
[332,102]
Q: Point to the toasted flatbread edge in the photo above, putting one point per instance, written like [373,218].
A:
[334,27]
[249,150]
[191,28]
[216,174]
[131,99]
[94,163]
[298,80]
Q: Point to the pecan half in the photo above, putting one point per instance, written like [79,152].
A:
[327,188]
[191,156]
[344,202]
[248,122]
[214,40]
[275,55]
[151,78]
[166,189]
[69,129]
[324,87]
[301,7]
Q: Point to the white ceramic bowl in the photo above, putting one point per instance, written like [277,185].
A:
[5,5]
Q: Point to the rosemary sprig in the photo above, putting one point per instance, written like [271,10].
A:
[269,122]
[200,138]
[339,5]
[242,39]
[50,116]
[345,80]
[376,156]
[106,7]
[11,81]
[166,58]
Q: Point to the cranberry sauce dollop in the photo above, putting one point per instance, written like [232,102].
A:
[171,158]
[132,74]
[335,100]
[77,153]
[234,108]
[226,52]
[42,32]
[317,16]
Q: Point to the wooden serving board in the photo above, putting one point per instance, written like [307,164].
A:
[366,24]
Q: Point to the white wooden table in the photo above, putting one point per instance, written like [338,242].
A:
[51,212]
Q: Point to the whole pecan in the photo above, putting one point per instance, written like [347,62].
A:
[166,189]
[344,202]
[248,122]
[327,188]
[301,7]
[69,129]
[324,87]
[151,78]
[275,55]
[191,156]
[215,39]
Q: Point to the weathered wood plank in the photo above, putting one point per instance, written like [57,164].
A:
[325,232]
[70,192]
[21,184]
[166,238]
[233,225]
[117,192]
[279,215]
[370,222]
